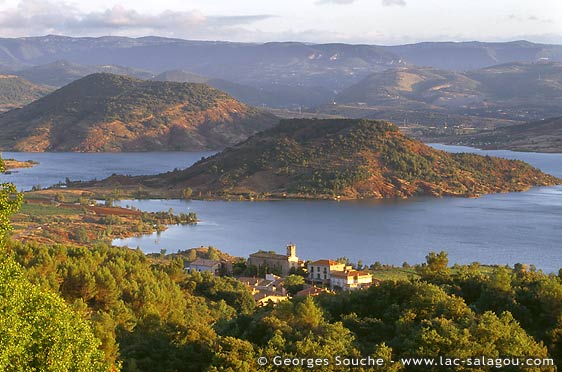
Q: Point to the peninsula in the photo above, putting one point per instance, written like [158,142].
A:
[338,158]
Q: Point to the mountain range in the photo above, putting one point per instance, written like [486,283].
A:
[331,66]
[104,112]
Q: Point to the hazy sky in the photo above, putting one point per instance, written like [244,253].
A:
[351,21]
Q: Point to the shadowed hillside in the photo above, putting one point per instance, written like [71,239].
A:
[17,92]
[540,136]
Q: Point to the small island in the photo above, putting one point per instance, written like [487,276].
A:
[11,164]
[340,159]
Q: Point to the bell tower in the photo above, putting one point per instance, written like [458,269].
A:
[291,251]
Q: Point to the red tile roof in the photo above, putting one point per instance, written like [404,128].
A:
[347,274]
[311,291]
[326,263]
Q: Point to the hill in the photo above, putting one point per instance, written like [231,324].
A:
[105,112]
[17,92]
[514,92]
[272,95]
[61,72]
[349,159]
[540,136]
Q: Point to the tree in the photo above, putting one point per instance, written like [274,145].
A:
[10,201]
[436,266]
[212,254]
[293,283]
[187,193]
[39,332]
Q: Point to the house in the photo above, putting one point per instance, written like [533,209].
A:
[311,291]
[271,262]
[320,271]
[202,265]
[350,280]
[266,290]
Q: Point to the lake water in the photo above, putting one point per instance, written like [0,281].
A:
[495,229]
[55,167]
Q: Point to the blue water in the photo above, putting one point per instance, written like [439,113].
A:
[55,167]
[494,229]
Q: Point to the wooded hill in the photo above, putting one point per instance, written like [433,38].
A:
[18,92]
[349,159]
[105,112]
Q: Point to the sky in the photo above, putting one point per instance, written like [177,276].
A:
[384,22]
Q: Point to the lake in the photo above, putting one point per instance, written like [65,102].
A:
[494,229]
[55,167]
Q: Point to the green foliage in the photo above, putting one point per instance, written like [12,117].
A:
[293,283]
[436,266]
[10,202]
[187,193]
[212,254]
[39,331]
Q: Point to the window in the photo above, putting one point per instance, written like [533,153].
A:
[318,276]
[325,276]
[311,269]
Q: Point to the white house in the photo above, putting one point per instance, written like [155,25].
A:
[320,271]
[202,265]
[350,280]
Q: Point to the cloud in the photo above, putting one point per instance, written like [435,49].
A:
[39,17]
[384,2]
[335,1]
[394,2]
[531,18]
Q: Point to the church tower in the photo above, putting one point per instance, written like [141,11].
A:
[291,251]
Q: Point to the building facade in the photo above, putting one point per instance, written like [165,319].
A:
[271,262]
[350,280]
[203,265]
[321,271]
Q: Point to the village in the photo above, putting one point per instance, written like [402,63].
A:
[275,274]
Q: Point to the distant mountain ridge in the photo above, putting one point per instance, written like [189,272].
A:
[513,91]
[106,112]
[339,158]
[61,72]
[272,95]
[473,55]
[285,63]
